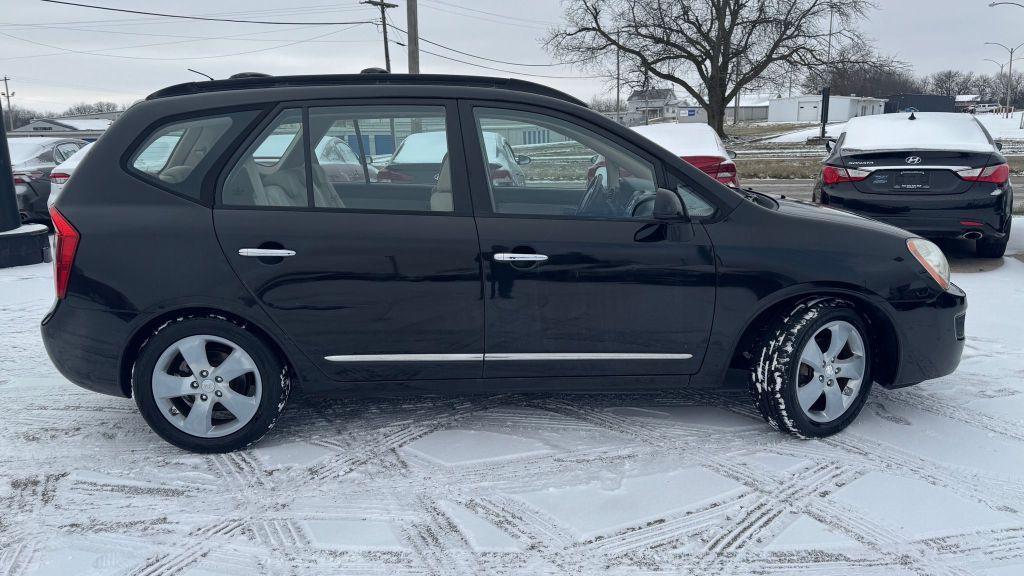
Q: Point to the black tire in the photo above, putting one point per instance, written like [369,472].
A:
[776,361]
[273,372]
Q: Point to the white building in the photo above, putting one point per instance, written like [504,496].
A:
[64,127]
[807,108]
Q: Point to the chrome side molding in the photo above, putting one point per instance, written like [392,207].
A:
[504,356]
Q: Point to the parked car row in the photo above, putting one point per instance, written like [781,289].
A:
[243,272]
[32,161]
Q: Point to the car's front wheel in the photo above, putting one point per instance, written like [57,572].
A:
[206,384]
[812,370]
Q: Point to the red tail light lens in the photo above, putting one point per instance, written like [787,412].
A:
[67,245]
[388,175]
[20,179]
[727,173]
[59,177]
[997,174]
[834,175]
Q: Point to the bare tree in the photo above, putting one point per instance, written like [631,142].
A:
[712,49]
[946,82]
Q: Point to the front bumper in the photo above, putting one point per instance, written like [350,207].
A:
[931,338]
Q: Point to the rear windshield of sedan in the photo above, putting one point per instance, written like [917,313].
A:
[22,150]
[928,131]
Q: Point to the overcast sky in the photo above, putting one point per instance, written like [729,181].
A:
[58,55]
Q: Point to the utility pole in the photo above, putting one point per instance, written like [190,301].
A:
[413,41]
[384,26]
[1009,75]
[10,111]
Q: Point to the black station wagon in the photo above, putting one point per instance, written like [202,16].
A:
[205,273]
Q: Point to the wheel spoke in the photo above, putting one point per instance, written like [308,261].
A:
[834,402]
[243,407]
[852,368]
[235,365]
[200,419]
[809,393]
[167,386]
[812,355]
[193,350]
[840,336]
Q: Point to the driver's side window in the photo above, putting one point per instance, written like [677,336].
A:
[558,168]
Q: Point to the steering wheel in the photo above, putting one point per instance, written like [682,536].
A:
[596,201]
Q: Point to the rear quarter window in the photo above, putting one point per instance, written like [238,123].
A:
[177,155]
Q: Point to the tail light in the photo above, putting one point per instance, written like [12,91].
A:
[389,175]
[727,173]
[834,175]
[501,177]
[67,245]
[59,177]
[997,174]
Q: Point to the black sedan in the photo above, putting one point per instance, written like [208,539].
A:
[938,175]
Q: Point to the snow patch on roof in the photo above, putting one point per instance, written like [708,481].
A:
[690,139]
[929,131]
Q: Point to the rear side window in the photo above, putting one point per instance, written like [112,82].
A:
[177,155]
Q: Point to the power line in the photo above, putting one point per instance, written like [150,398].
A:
[503,20]
[203,18]
[471,55]
[233,37]
[213,57]
[491,67]
[384,6]
[505,16]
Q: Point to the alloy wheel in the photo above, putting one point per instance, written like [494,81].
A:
[207,386]
[831,371]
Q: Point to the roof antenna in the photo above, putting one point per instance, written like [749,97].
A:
[912,117]
[200,73]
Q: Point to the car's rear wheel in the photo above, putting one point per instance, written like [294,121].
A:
[208,385]
[812,370]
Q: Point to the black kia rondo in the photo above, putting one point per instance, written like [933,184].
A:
[205,262]
[936,174]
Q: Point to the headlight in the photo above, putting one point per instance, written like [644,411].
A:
[931,257]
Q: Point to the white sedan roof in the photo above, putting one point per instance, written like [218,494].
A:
[928,131]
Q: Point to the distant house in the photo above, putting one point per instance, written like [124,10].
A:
[72,127]
[964,101]
[807,108]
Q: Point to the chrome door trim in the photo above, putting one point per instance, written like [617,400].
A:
[584,356]
[405,358]
[516,257]
[504,356]
[265,253]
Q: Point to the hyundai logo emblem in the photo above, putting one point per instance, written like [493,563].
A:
[913,159]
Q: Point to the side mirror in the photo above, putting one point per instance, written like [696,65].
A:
[732,154]
[828,145]
[668,206]
[999,145]
[523,160]
[368,159]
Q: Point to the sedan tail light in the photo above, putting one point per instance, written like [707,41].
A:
[67,245]
[59,177]
[389,175]
[997,174]
[726,173]
[834,175]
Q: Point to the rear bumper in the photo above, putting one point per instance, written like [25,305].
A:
[85,345]
[931,337]
[929,216]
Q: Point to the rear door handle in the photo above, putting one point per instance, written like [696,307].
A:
[517,257]
[265,253]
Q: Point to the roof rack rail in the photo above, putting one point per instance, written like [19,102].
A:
[247,83]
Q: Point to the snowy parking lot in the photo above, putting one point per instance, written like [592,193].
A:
[929,480]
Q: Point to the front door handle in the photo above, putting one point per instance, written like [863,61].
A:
[517,257]
[265,252]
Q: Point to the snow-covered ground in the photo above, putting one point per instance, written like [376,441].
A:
[930,480]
